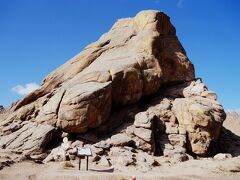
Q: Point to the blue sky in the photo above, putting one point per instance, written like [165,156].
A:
[38,36]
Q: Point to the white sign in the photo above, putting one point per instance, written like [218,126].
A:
[84,151]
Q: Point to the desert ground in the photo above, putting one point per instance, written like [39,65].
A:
[193,169]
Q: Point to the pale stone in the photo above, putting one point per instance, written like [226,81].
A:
[177,139]
[180,157]
[121,140]
[171,128]
[199,116]
[145,134]
[222,156]
[144,120]
[104,162]
[102,144]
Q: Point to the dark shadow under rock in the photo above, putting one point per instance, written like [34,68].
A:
[229,142]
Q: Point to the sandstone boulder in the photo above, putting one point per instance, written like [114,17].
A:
[144,120]
[121,156]
[121,140]
[202,119]
[132,93]
[135,58]
[103,144]
[143,131]
[30,139]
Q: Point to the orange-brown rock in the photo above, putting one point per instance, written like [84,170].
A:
[134,59]
[137,81]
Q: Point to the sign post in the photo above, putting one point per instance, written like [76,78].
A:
[82,152]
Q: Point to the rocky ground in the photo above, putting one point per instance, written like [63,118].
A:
[227,169]
[122,162]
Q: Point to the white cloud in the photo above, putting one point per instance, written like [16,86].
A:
[25,89]
[179,3]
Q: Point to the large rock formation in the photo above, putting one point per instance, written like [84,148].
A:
[134,59]
[135,85]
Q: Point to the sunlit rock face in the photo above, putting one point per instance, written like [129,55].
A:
[139,61]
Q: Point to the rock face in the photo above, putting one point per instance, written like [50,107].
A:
[30,138]
[202,118]
[132,91]
[134,59]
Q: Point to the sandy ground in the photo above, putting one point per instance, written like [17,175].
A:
[193,169]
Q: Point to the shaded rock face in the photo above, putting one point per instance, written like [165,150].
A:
[230,134]
[135,85]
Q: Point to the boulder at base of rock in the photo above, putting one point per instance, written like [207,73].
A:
[222,156]
[202,119]
[121,140]
[30,139]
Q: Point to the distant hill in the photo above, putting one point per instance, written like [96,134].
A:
[233,114]
[232,122]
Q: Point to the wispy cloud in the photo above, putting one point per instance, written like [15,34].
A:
[180,3]
[25,89]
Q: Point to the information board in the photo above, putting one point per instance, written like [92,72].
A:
[84,151]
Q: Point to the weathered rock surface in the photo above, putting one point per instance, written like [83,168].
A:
[202,118]
[128,96]
[31,138]
[121,140]
[134,59]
